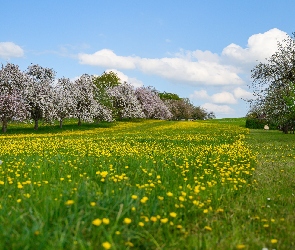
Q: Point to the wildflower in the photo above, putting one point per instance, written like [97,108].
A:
[134,197]
[18,200]
[133,208]
[241,246]
[127,220]
[141,224]
[154,218]
[92,204]
[97,222]
[1,182]
[144,199]
[205,211]
[160,198]
[169,194]
[165,220]
[129,244]
[69,202]
[208,228]
[173,214]
[273,241]
[106,245]
[106,221]
[118,232]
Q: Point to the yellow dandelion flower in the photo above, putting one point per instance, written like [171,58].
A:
[208,228]
[134,197]
[106,221]
[274,241]
[118,232]
[18,200]
[173,214]
[129,244]
[92,204]
[169,194]
[164,220]
[106,245]
[127,221]
[153,218]
[69,202]
[97,222]
[141,224]
[241,246]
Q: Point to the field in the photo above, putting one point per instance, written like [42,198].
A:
[147,185]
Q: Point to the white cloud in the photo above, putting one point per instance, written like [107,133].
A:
[223,97]
[124,78]
[219,98]
[218,109]
[107,58]
[179,68]
[259,47]
[9,49]
[242,94]
[201,94]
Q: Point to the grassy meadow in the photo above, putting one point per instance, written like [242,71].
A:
[147,185]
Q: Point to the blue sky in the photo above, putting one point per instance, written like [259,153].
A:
[203,50]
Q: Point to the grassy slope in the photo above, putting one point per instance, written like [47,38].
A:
[256,215]
[267,211]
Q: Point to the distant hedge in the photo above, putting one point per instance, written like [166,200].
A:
[256,123]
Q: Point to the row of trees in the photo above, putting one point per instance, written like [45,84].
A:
[35,95]
[274,87]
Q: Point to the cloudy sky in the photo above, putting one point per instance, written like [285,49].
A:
[203,50]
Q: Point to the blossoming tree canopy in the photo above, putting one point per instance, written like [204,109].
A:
[125,101]
[12,104]
[87,107]
[39,93]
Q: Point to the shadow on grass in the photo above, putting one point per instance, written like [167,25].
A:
[71,125]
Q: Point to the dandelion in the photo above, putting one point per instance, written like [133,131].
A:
[173,214]
[69,202]
[97,222]
[274,241]
[117,232]
[141,224]
[169,194]
[153,218]
[165,220]
[18,200]
[205,211]
[208,228]
[106,221]
[92,204]
[106,245]
[144,199]
[241,246]
[134,197]
[129,244]
[127,221]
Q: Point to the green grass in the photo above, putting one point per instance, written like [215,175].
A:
[231,189]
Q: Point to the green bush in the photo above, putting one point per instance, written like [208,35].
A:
[256,123]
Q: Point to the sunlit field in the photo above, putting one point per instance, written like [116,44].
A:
[146,185]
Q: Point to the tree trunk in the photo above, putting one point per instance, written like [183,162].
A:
[4,126]
[60,123]
[79,121]
[285,129]
[36,124]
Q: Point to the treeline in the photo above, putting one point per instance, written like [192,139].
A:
[36,95]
